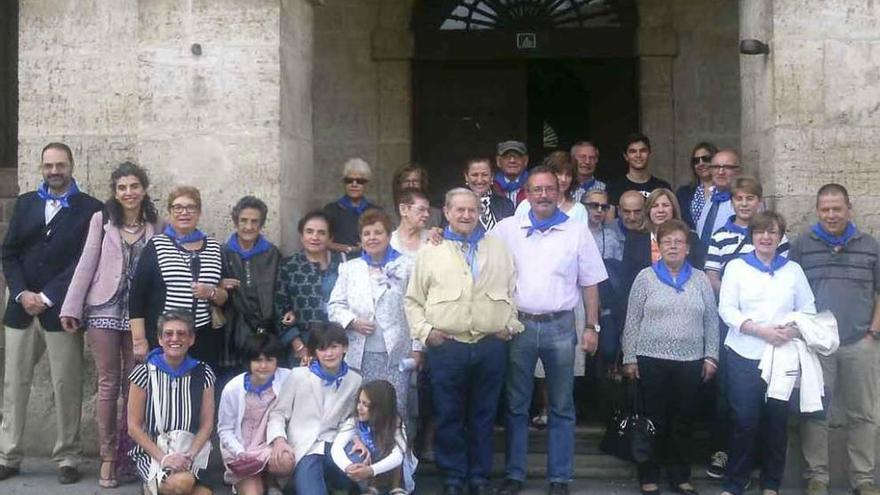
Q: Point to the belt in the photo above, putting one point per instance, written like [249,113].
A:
[543,316]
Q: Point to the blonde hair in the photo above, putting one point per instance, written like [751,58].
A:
[655,196]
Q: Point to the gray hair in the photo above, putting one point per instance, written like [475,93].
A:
[357,165]
[458,191]
[181,315]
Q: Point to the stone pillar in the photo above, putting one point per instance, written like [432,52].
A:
[213,93]
[809,107]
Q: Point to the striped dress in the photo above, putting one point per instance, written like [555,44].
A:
[180,401]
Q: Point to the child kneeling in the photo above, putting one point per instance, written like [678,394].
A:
[245,405]
[371,444]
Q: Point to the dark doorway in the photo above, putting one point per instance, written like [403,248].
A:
[8,84]
[463,109]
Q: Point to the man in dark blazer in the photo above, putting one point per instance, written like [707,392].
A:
[40,252]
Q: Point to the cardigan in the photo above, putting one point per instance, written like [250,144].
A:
[231,410]
[309,413]
[99,271]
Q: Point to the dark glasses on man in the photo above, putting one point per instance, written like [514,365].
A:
[701,159]
[355,180]
[598,206]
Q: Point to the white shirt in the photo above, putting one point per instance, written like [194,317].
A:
[578,212]
[750,294]
[52,208]
[725,211]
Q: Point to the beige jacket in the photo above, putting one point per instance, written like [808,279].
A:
[442,293]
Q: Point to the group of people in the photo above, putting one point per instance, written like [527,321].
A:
[507,290]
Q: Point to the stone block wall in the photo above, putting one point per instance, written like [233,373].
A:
[810,113]
[124,80]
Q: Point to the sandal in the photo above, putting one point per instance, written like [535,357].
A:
[107,477]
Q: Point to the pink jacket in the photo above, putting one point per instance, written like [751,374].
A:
[99,269]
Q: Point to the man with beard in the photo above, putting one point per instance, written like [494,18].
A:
[630,212]
[459,304]
[45,236]
[546,294]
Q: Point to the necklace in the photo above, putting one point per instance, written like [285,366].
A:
[133,229]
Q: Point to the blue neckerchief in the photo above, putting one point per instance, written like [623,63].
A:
[587,185]
[365,432]
[259,389]
[662,272]
[327,378]
[556,218]
[346,203]
[43,193]
[508,185]
[472,240]
[834,240]
[194,236]
[391,254]
[156,357]
[731,226]
[720,196]
[777,263]
[260,246]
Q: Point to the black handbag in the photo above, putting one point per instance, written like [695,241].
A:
[630,434]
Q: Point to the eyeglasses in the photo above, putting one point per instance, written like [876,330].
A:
[673,242]
[419,209]
[701,159]
[355,180]
[598,206]
[178,209]
[729,168]
[538,190]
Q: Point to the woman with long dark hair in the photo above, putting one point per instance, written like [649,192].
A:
[97,299]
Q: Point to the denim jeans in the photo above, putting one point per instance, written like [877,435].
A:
[466,381]
[757,427]
[314,473]
[554,342]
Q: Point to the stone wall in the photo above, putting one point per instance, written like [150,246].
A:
[810,113]
[124,80]
[689,80]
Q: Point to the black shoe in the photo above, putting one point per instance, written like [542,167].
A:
[481,489]
[557,488]
[453,490]
[683,491]
[67,475]
[510,487]
[7,472]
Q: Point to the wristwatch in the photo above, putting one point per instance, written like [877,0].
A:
[596,328]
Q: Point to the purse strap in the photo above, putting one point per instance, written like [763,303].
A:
[157,410]
[636,398]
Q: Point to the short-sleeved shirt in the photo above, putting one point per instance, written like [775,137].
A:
[844,281]
[620,185]
[551,266]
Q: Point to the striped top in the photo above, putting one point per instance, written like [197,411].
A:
[164,278]
[180,404]
[727,245]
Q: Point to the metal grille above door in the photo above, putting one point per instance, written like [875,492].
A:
[537,14]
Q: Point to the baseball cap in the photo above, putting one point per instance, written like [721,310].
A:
[517,146]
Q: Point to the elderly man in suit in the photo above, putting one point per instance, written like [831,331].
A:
[45,236]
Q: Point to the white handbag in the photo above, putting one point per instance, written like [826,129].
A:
[171,442]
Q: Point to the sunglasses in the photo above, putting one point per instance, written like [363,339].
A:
[598,206]
[729,168]
[701,159]
[355,180]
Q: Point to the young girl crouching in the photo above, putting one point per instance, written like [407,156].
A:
[244,413]
[371,444]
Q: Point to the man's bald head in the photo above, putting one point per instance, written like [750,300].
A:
[630,209]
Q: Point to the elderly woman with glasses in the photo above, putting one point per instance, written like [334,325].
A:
[345,211]
[179,268]
[413,178]
[670,352]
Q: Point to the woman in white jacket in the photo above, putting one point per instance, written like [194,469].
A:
[244,411]
[758,292]
[367,301]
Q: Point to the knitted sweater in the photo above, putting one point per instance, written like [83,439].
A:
[665,324]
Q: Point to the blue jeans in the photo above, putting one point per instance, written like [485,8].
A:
[554,342]
[466,381]
[756,426]
[315,472]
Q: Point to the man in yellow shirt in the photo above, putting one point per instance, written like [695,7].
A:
[459,303]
